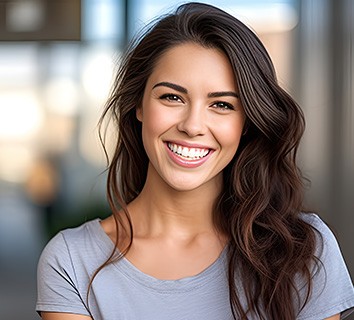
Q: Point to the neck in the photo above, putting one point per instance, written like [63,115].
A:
[160,209]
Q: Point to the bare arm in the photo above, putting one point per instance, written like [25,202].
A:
[335,317]
[63,316]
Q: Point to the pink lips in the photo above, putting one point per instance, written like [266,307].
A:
[192,163]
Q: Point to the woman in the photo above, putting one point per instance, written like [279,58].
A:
[206,196]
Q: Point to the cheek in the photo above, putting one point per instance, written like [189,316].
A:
[155,121]
[230,135]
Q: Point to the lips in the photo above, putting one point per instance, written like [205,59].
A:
[188,156]
[188,153]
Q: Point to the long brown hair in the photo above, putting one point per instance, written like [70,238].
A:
[260,205]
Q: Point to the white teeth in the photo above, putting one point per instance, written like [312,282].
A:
[190,153]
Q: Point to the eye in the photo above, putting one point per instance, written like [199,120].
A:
[220,105]
[170,97]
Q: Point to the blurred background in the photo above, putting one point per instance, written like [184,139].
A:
[57,60]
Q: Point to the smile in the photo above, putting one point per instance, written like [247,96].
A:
[188,153]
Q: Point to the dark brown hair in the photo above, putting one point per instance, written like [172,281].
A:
[260,205]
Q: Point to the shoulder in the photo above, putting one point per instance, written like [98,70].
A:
[326,240]
[317,223]
[66,266]
[72,237]
[83,245]
[327,247]
[332,289]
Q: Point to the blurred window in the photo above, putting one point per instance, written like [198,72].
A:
[261,15]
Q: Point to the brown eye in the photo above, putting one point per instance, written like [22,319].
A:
[171,97]
[223,105]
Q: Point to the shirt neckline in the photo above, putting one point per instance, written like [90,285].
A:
[129,270]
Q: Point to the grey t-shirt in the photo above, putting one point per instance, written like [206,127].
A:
[122,292]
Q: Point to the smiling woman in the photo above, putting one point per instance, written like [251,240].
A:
[208,220]
[188,109]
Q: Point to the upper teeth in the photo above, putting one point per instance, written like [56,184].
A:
[194,153]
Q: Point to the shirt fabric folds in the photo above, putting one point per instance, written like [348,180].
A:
[122,292]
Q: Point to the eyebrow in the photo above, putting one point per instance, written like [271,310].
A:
[172,86]
[185,91]
[223,94]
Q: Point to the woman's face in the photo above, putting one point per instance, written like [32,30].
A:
[191,116]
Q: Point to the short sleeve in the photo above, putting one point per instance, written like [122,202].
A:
[332,291]
[56,280]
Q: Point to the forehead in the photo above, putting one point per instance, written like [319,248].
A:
[190,61]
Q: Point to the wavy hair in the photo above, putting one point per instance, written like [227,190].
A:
[260,205]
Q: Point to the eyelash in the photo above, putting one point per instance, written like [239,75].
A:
[223,105]
[218,104]
[171,97]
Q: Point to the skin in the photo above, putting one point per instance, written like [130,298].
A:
[174,235]
[63,316]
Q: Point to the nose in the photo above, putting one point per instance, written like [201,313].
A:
[193,122]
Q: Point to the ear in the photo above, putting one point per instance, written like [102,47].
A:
[139,113]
